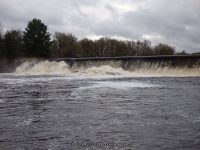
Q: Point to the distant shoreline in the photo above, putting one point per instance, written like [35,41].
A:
[129,57]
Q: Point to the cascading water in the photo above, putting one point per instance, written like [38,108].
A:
[92,68]
[43,68]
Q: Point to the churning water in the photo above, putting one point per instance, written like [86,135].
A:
[51,105]
[105,68]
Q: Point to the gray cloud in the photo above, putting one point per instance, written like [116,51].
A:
[173,22]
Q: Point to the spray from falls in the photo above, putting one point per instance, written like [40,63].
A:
[114,68]
[43,68]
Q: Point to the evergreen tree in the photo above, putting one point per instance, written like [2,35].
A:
[13,41]
[37,39]
[2,47]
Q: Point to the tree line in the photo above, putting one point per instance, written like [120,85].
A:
[35,41]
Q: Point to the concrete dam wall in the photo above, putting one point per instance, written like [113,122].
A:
[137,61]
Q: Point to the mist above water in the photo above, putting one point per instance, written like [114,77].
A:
[105,68]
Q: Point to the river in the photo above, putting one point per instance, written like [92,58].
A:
[48,106]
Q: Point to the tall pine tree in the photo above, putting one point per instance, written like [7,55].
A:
[37,39]
[14,45]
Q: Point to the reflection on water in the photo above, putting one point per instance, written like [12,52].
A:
[65,112]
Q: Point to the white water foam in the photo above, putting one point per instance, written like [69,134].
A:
[62,68]
[25,122]
[105,70]
[2,101]
[122,85]
[43,68]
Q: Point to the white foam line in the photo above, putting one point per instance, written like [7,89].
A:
[118,85]
[2,101]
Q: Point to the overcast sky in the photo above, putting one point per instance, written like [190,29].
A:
[174,22]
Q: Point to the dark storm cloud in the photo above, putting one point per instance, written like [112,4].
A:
[173,22]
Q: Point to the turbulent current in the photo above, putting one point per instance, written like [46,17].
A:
[56,105]
[107,68]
